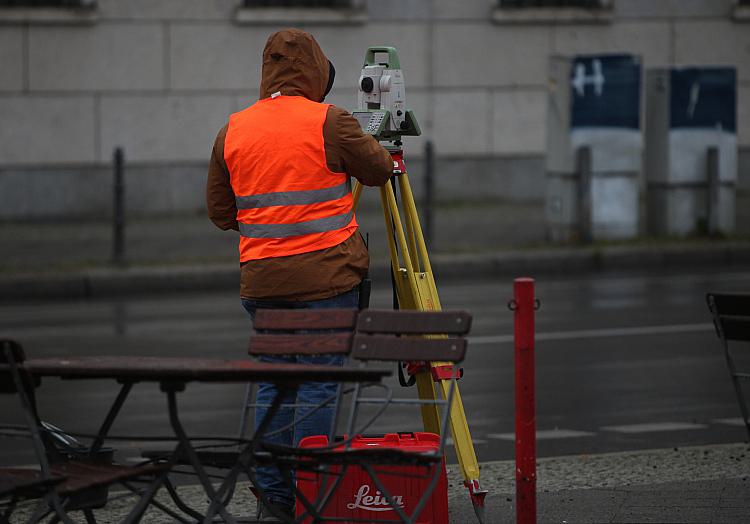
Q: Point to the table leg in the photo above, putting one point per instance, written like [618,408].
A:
[179,502]
[192,457]
[244,460]
[136,513]
[111,415]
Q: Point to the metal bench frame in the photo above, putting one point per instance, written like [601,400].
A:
[731,316]
[67,481]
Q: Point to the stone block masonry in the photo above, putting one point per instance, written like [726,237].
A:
[160,78]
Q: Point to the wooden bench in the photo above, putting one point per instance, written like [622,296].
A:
[368,335]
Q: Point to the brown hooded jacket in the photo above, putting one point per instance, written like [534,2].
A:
[294,64]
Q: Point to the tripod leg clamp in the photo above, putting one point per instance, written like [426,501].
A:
[399,167]
[438,372]
[414,367]
[446,372]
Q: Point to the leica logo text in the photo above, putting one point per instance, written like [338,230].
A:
[377,502]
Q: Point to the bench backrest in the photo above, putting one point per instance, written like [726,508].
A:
[371,334]
[390,335]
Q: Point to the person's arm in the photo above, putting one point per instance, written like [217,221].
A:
[350,150]
[220,201]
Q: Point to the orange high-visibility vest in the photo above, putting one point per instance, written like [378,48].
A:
[288,201]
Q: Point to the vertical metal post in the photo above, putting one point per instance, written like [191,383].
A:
[118,209]
[583,165]
[712,167]
[523,296]
[429,172]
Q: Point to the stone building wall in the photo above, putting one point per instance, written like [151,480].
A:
[160,77]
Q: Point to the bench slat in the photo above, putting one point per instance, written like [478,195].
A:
[300,344]
[289,319]
[388,348]
[414,322]
[84,476]
[25,483]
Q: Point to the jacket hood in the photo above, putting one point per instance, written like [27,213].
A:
[295,65]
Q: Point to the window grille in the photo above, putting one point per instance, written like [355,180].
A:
[47,3]
[591,4]
[297,3]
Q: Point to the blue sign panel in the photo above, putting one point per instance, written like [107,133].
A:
[606,91]
[703,97]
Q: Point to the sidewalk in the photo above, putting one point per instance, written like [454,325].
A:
[187,253]
[702,484]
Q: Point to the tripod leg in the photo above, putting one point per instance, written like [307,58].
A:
[390,209]
[419,248]
[461,436]
[356,193]
[411,222]
[429,299]
[402,277]
[430,412]
[416,289]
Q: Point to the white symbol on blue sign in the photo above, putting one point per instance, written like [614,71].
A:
[581,79]
[695,91]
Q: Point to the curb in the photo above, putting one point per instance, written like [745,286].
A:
[110,282]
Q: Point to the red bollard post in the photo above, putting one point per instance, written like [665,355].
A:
[524,305]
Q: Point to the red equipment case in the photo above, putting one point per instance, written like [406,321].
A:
[358,498]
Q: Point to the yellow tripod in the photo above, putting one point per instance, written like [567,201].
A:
[415,289]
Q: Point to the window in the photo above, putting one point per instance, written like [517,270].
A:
[741,11]
[48,11]
[297,3]
[301,11]
[552,11]
[591,4]
[47,3]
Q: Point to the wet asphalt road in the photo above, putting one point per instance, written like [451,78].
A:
[624,361]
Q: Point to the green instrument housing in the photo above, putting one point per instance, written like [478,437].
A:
[393,61]
[381,98]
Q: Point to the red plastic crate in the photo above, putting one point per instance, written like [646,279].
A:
[358,498]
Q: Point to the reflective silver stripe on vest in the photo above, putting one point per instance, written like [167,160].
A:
[294,198]
[319,225]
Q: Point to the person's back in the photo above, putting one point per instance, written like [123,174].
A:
[289,202]
[295,66]
[280,175]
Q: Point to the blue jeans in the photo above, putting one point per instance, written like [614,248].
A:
[269,478]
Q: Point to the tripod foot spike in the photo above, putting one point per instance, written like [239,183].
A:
[477,495]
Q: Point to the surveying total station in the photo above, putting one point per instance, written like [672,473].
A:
[382,112]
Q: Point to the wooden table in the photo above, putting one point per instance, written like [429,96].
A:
[172,373]
[183,370]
